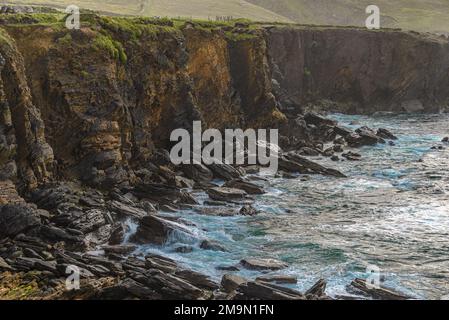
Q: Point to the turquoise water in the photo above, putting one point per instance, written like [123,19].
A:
[392,211]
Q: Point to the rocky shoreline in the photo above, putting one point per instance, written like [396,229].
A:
[61,224]
[85,121]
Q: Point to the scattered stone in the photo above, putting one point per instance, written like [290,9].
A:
[445,139]
[119,249]
[307,166]
[338,148]
[329,152]
[211,245]
[183,249]
[226,194]
[313,118]
[224,171]
[386,134]
[263,264]
[126,210]
[352,156]
[248,187]
[335,158]
[318,289]
[4,265]
[342,131]
[227,268]
[15,219]
[306,151]
[279,279]
[248,210]
[231,282]
[377,293]
[156,230]
[198,172]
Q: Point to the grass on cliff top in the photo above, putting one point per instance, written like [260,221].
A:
[112,47]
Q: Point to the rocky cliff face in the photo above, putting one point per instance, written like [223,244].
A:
[359,71]
[86,117]
[93,104]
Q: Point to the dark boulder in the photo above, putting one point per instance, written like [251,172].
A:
[212,245]
[279,279]
[313,118]
[226,194]
[248,210]
[156,230]
[248,187]
[15,219]
[224,171]
[197,172]
[386,134]
[263,264]
[231,282]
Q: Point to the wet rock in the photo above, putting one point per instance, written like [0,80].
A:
[248,210]
[248,187]
[335,158]
[211,245]
[227,268]
[329,152]
[306,151]
[318,289]
[126,210]
[183,249]
[220,211]
[254,290]
[279,279]
[224,171]
[364,136]
[342,131]
[312,167]
[445,139]
[156,230]
[386,134]
[291,166]
[313,118]
[263,264]
[198,172]
[377,293]
[231,282]
[338,148]
[226,194]
[352,156]
[117,235]
[120,249]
